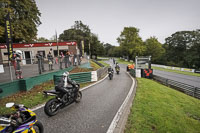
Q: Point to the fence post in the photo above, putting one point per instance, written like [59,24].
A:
[166,82]
[195,88]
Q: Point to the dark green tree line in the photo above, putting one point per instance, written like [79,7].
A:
[81,32]
[183,49]
[25,17]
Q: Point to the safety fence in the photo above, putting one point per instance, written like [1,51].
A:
[84,77]
[185,88]
[28,83]
[81,77]
[102,72]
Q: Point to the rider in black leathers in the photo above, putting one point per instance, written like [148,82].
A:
[62,86]
[110,70]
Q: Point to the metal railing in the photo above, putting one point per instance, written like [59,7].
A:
[185,88]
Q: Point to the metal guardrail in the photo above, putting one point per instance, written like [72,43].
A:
[185,88]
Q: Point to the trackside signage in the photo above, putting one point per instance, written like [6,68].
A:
[47,44]
[8,30]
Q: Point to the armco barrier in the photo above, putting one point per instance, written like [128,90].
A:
[27,83]
[81,77]
[185,88]
[102,72]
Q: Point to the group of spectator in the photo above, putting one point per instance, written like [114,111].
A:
[66,58]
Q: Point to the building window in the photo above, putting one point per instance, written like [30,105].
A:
[43,53]
[6,53]
[56,52]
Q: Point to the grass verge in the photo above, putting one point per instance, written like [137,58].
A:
[176,71]
[105,64]
[157,108]
[121,61]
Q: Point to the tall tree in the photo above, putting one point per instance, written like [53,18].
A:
[42,39]
[24,19]
[107,47]
[183,49]
[78,32]
[154,49]
[131,43]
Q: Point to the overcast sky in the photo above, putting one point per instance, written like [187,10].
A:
[107,18]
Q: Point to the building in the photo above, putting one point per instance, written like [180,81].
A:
[29,50]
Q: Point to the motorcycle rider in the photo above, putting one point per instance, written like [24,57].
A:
[110,69]
[117,66]
[63,85]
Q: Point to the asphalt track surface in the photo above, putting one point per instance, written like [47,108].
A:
[186,79]
[96,110]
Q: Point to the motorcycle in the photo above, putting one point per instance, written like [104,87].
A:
[22,121]
[117,70]
[61,100]
[110,75]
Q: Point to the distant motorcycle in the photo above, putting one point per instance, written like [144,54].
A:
[61,100]
[117,70]
[22,121]
[110,75]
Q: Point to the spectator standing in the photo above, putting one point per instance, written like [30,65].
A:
[50,61]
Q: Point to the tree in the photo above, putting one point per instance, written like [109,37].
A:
[24,16]
[183,49]
[154,49]
[131,43]
[42,39]
[107,47]
[78,32]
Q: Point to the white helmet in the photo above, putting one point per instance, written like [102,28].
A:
[65,74]
[19,52]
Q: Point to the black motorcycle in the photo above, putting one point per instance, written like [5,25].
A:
[61,100]
[110,75]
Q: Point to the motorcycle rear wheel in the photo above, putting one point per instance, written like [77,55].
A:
[79,97]
[51,108]
[38,127]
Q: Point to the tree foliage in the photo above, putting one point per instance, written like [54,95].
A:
[131,43]
[183,49]
[154,49]
[42,39]
[24,16]
[81,32]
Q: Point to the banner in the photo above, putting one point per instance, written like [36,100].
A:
[9,37]
[82,42]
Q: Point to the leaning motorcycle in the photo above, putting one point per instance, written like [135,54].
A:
[110,75]
[22,121]
[61,100]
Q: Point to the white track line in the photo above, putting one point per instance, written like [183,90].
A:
[121,109]
[40,106]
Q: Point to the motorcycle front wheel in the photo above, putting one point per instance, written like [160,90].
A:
[78,97]
[38,127]
[51,107]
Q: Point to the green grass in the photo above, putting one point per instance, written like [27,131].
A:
[121,61]
[105,64]
[157,108]
[94,65]
[176,71]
